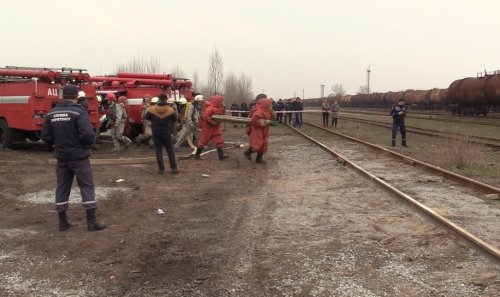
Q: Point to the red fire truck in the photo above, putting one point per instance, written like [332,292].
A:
[27,94]
[134,86]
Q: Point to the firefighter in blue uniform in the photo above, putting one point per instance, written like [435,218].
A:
[398,113]
[67,128]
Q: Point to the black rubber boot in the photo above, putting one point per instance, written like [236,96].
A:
[198,153]
[403,143]
[248,154]
[220,152]
[393,143]
[259,158]
[63,221]
[92,224]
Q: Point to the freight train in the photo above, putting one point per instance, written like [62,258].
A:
[467,96]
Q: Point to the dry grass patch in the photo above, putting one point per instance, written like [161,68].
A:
[459,152]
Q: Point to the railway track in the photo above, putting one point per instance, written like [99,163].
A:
[448,201]
[440,117]
[487,141]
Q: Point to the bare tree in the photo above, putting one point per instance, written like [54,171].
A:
[245,92]
[178,72]
[141,64]
[205,90]
[363,90]
[230,89]
[338,90]
[195,80]
[215,73]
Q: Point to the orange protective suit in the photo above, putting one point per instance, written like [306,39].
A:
[210,129]
[259,129]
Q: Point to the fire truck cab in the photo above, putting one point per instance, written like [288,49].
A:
[27,94]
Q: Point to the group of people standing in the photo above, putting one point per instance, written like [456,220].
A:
[68,130]
[284,110]
[328,108]
[288,110]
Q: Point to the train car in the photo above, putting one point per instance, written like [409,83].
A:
[27,94]
[466,96]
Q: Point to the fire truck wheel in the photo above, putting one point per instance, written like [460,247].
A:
[5,135]
[32,136]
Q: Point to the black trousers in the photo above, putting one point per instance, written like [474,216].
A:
[160,140]
[66,171]
[325,118]
[401,125]
[279,117]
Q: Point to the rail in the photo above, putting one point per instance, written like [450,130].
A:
[480,186]
[442,117]
[487,141]
[469,238]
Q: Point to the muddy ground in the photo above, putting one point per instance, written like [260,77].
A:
[301,225]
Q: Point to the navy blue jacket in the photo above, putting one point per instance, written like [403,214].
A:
[396,110]
[67,127]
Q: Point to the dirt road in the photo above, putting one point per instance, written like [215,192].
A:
[301,225]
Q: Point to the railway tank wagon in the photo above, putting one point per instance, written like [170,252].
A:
[466,96]
[492,91]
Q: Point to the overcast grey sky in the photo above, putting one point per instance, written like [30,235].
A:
[284,46]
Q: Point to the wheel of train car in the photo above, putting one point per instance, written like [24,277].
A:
[5,135]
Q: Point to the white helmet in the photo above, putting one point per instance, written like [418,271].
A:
[183,101]
[154,100]
[170,101]
[81,94]
[198,98]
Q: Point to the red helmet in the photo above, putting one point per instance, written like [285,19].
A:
[111,97]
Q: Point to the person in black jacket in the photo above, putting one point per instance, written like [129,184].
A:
[298,107]
[280,107]
[163,119]
[67,128]
[288,108]
[398,114]
[244,109]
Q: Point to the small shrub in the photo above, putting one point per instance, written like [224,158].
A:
[458,151]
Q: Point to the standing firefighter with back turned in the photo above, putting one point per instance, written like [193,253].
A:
[68,129]
[163,119]
[398,114]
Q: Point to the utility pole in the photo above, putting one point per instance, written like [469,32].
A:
[322,90]
[368,79]
[303,96]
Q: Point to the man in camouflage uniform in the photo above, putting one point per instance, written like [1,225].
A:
[117,119]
